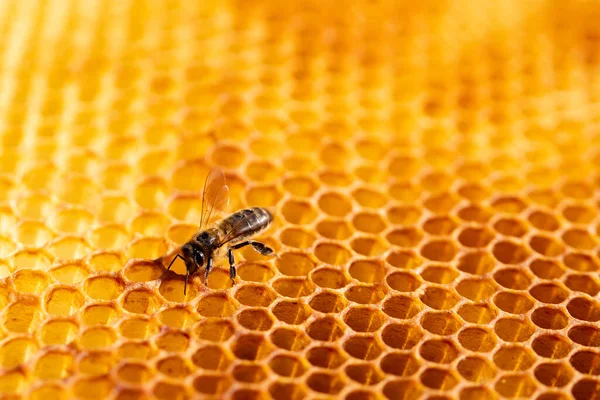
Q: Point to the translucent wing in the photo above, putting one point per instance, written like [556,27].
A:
[215,197]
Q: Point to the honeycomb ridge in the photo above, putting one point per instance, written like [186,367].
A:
[432,170]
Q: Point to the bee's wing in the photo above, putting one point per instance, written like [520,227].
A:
[215,197]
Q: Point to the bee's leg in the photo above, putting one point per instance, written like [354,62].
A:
[187,274]
[258,246]
[170,264]
[232,271]
[209,263]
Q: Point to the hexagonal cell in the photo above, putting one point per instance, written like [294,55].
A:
[54,365]
[173,341]
[251,347]
[287,391]
[439,351]
[546,269]
[514,329]
[255,319]
[402,389]
[440,203]
[30,281]
[298,212]
[543,220]
[22,317]
[513,303]
[136,351]
[249,373]
[329,278]
[215,330]
[58,331]
[509,226]
[584,309]
[579,213]
[289,339]
[334,229]
[402,307]
[367,271]
[174,367]
[579,239]
[441,226]
[291,312]
[99,387]
[403,281]
[209,384]
[70,273]
[404,191]
[583,283]
[406,259]
[477,339]
[254,295]
[439,250]
[325,382]
[287,365]
[580,262]
[96,363]
[585,335]
[586,362]
[549,293]
[551,346]
[138,328]
[368,222]
[327,329]
[549,318]
[508,252]
[401,336]
[405,237]
[477,392]
[512,278]
[216,305]
[294,264]
[109,237]
[476,289]
[476,263]
[476,369]
[439,298]
[365,294]
[254,272]
[403,215]
[335,204]
[103,287]
[546,246]
[212,357]
[368,246]
[438,378]
[516,385]
[297,237]
[475,237]
[474,213]
[134,373]
[442,323]
[364,373]
[514,358]
[327,302]
[363,319]
[300,186]
[63,301]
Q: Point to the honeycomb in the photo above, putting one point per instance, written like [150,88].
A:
[433,169]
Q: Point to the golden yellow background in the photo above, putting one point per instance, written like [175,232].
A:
[433,167]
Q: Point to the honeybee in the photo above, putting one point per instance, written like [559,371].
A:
[233,232]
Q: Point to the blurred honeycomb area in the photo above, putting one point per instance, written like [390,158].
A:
[433,168]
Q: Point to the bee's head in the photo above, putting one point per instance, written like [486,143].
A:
[193,258]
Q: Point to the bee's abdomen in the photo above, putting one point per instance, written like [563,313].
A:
[245,223]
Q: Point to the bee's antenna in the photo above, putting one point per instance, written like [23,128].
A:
[170,264]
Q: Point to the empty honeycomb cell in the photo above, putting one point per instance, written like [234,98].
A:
[335,204]
[255,319]
[369,223]
[103,287]
[585,335]
[477,289]
[515,385]
[54,365]
[33,259]
[583,283]
[437,378]
[553,374]
[585,388]
[549,293]
[146,248]
[285,390]
[513,358]
[293,287]
[17,351]
[586,362]
[63,301]
[546,246]
[509,204]
[287,365]
[439,250]
[439,298]
[440,323]
[439,274]
[301,186]
[514,303]
[134,373]
[255,295]
[475,369]
[214,329]
[72,220]
[58,332]
[543,220]
[165,390]
[96,363]
[103,261]
[579,239]
[476,263]
[140,302]
[441,203]
[33,233]
[509,226]
[327,302]
[326,382]
[477,339]
[549,318]
[513,278]
[214,305]
[508,252]
[584,309]
[30,281]
[298,212]
[580,262]
[137,328]
[70,273]
[546,269]
[475,237]
[406,259]
[405,389]
[405,237]
[579,213]
[409,215]
[335,178]
[364,373]
[291,312]
[173,366]
[97,338]
[135,271]
[150,223]
[244,372]
[297,238]
[439,351]
[251,347]
[474,213]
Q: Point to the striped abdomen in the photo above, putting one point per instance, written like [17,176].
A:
[244,223]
